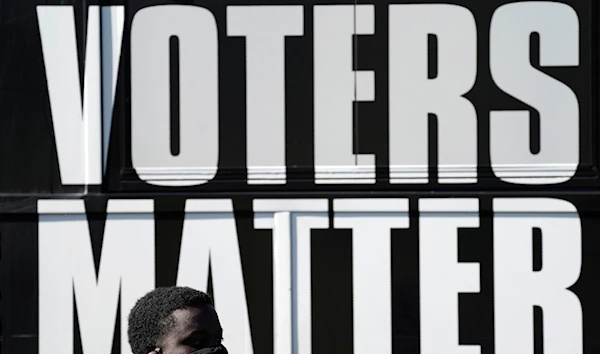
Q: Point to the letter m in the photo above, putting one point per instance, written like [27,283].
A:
[67,275]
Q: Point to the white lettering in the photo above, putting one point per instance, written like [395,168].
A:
[265,29]
[78,134]
[292,222]
[442,276]
[510,64]
[413,95]
[518,288]
[197,158]
[371,221]
[336,87]
[210,236]
[66,266]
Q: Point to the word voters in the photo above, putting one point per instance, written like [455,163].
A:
[192,93]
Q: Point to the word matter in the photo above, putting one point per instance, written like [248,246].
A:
[210,243]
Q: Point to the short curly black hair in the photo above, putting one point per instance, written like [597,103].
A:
[152,315]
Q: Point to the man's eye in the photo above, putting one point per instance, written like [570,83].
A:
[199,344]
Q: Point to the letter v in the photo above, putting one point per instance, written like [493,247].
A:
[81,128]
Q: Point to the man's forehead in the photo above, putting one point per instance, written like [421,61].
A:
[194,318]
[189,317]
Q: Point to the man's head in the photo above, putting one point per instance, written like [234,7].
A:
[178,320]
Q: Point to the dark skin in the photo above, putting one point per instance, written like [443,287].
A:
[194,329]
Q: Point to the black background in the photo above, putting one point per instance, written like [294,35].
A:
[29,171]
